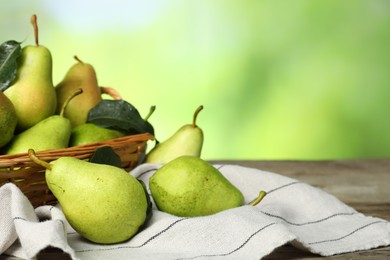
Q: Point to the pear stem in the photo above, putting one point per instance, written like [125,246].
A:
[111,92]
[196,115]
[152,109]
[34,158]
[258,199]
[35,26]
[77,58]
[76,93]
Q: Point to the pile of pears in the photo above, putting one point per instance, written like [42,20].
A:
[102,202]
[37,114]
[186,185]
[106,205]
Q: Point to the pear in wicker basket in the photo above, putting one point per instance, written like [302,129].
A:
[8,119]
[91,133]
[81,75]
[33,93]
[50,133]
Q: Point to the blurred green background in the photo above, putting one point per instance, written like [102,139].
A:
[297,79]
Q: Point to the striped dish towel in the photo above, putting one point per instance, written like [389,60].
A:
[292,212]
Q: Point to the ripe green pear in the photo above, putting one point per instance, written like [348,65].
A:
[188,140]
[50,133]
[32,93]
[104,203]
[189,186]
[91,133]
[8,120]
[80,75]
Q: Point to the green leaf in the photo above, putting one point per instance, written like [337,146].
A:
[106,155]
[119,115]
[149,128]
[9,53]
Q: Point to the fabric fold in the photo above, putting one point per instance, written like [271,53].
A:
[292,212]
[31,230]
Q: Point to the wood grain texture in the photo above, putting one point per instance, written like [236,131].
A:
[362,184]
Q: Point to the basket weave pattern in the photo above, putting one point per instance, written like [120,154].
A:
[30,177]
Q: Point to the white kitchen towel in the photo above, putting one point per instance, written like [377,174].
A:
[24,231]
[292,212]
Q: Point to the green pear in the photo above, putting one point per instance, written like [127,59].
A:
[104,203]
[50,133]
[8,119]
[32,93]
[91,133]
[189,186]
[81,75]
[188,140]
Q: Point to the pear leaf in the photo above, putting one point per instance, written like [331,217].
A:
[119,115]
[9,53]
[106,155]
[149,128]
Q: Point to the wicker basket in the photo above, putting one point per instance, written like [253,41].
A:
[30,177]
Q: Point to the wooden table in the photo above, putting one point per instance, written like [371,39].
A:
[362,184]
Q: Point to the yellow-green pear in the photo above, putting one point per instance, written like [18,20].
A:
[188,140]
[189,186]
[91,133]
[32,92]
[8,120]
[50,133]
[81,75]
[103,203]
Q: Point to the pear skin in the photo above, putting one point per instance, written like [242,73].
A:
[188,140]
[189,186]
[103,203]
[51,133]
[91,133]
[32,93]
[80,75]
[8,120]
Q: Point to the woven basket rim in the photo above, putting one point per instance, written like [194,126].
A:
[20,170]
[14,159]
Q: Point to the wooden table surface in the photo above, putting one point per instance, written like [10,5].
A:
[362,184]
